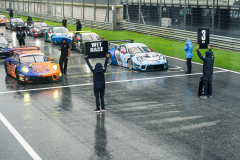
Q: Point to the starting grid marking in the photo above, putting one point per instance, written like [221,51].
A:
[20,139]
[88,84]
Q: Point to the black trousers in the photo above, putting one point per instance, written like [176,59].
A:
[207,82]
[97,93]
[21,42]
[189,65]
[63,69]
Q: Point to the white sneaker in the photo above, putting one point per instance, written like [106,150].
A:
[205,97]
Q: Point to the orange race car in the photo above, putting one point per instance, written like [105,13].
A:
[3,20]
[30,65]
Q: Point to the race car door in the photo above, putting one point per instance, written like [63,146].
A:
[49,34]
[12,65]
[123,55]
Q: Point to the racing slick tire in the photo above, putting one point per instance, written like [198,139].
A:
[5,66]
[110,59]
[167,66]
[130,64]
[17,76]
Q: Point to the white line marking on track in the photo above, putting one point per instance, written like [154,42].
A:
[20,139]
[202,64]
[88,84]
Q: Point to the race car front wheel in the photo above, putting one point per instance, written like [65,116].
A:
[17,76]
[130,64]
[5,66]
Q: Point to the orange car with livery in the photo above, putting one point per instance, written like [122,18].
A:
[29,65]
[3,20]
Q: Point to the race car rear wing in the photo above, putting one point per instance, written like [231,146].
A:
[19,48]
[126,41]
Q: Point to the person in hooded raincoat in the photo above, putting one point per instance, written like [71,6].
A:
[99,82]
[65,54]
[21,37]
[208,62]
[79,25]
[189,54]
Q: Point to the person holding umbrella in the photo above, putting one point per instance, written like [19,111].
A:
[65,53]
[11,14]
[21,37]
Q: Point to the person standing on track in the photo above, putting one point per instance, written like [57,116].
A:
[64,22]
[208,62]
[29,20]
[79,25]
[99,82]
[65,53]
[189,54]
[11,14]
[21,37]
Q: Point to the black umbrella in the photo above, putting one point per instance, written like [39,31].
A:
[9,9]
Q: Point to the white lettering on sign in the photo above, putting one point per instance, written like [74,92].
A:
[96,47]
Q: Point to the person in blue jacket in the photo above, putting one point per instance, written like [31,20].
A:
[189,54]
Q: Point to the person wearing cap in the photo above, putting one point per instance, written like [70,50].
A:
[21,37]
[208,62]
[99,82]
[79,25]
[65,53]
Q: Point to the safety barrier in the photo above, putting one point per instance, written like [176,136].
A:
[85,23]
[221,42]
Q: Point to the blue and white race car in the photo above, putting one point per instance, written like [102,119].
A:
[137,56]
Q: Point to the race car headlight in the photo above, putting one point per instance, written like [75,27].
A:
[139,59]
[25,69]
[55,67]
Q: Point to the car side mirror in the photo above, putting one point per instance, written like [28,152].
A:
[123,52]
[102,37]
[51,58]
[9,41]
[77,39]
[49,31]
[152,49]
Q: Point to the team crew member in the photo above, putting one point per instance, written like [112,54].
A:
[21,37]
[11,14]
[207,71]
[65,53]
[189,54]
[79,25]
[64,22]
[99,82]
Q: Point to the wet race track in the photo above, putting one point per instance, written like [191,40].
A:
[150,115]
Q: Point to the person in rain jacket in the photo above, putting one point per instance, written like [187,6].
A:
[11,14]
[79,25]
[21,37]
[208,62]
[189,54]
[99,82]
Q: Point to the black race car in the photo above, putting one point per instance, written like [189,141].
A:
[37,28]
[79,39]
[14,22]
[3,45]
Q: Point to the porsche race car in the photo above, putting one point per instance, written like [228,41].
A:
[137,56]
[37,28]
[53,31]
[15,22]
[30,65]
[3,20]
[79,38]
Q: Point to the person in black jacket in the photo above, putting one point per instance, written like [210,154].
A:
[21,37]
[79,25]
[99,82]
[207,71]
[65,53]
[11,14]
[29,20]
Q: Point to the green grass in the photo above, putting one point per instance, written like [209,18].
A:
[224,59]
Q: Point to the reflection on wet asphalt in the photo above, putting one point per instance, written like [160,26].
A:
[150,115]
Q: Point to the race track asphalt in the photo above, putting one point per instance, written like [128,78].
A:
[150,115]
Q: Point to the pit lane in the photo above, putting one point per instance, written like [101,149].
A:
[150,115]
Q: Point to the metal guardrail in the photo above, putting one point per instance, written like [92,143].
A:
[85,23]
[221,42]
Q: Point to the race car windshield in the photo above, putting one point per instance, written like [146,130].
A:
[146,49]
[91,37]
[40,25]
[33,59]
[133,50]
[2,16]
[3,40]
[60,30]
[17,20]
